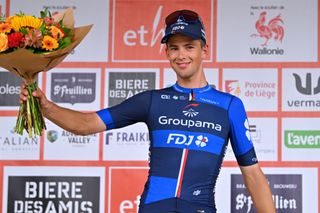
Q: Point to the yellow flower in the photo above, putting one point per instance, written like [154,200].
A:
[56,32]
[3,42]
[5,27]
[17,22]
[49,43]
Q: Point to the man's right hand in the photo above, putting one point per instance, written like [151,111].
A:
[44,103]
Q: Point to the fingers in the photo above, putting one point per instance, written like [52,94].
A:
[24,93]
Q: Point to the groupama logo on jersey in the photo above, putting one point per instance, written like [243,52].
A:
[189,111]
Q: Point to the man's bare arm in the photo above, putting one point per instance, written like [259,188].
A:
[77,122]
[258,188]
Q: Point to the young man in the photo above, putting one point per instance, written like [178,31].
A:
[189,124]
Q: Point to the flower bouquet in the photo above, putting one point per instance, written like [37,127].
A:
[29,45]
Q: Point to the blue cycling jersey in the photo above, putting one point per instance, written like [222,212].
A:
[189,130]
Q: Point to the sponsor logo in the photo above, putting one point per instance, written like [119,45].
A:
[246,125]
[164,120]
[132,38]
[308,89]
[256,134]
[127,205]
[73,87]
[233,87]
[190,112]
[14,143]
[9,89]
[180,139]
[165,97]
[60,7]
[302,138]
[128,200]
[268,29]
[77,139]
[260,89]
[70,138]
[53,194]
[273,29]
[142,35]
[266,51]
[201,141]
[127,137]
[286,193]
[52,135]
[196,192]
[174,97]
[123,85]
[187,140]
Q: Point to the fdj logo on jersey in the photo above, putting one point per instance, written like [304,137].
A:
[181,139]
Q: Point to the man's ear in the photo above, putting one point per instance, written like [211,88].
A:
[205,51]
[166,50]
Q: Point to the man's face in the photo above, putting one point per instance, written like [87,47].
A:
[185,56]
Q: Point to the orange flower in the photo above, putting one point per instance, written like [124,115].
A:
[5,27]
[49,43]
[3,42]
[56,32]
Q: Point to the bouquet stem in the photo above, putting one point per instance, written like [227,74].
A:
[30,116]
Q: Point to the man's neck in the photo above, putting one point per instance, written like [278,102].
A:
[194,82]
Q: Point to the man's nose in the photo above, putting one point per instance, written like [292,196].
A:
[181,54]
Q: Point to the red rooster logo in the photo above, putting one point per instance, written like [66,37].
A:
[274,29]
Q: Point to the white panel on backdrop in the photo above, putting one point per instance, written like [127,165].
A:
[128,143]
[75,88]
[264,135]
[301,89]
[2,7]
[289,194]
[300,139]
[212,76]
[94,47]
[14,146]
[257,88]
[53,189]
[60,144]
[123,83]
[272,31]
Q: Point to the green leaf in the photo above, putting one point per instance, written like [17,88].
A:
[64,42]
[24,31]
[42,14]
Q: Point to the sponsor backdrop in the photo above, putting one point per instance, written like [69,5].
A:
[265,52]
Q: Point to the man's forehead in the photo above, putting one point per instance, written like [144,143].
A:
[179,38]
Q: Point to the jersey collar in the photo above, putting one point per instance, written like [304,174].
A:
[179,88]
